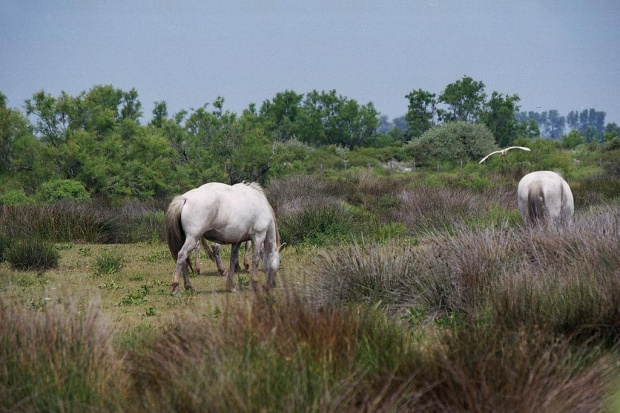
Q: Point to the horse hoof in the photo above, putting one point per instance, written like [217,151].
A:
[174,289]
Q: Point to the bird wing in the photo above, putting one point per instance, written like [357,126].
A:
[485,158]
[519,147]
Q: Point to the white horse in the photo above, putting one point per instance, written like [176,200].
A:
[545,196]
[226,215]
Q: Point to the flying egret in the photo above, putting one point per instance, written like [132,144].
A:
[502,152]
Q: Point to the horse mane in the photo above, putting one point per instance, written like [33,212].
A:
[257,186]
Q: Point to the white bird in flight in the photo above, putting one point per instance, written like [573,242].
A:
[502,152]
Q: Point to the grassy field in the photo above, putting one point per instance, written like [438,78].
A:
[131,283]
[421,293]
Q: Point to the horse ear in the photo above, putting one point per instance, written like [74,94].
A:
[281,247]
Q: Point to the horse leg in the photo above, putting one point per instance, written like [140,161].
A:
[181,266]
[217,258]
[246,260]
[197,258]
[234,258]
[257,243]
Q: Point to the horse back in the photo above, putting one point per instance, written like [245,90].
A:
[226,214]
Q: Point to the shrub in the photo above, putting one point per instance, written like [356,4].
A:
[431,209]
[573,139]
[32,254]
[15,197]
[322,225]
[59,189]
[453,141]
[611,163]
[295,193]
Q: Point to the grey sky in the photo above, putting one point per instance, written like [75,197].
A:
[561,55]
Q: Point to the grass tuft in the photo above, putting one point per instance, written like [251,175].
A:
[32,255]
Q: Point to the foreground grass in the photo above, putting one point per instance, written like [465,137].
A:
[283,354]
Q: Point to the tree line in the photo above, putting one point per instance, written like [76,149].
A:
[97,139]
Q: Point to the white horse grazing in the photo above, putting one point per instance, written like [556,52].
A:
[545,196]
[226,215]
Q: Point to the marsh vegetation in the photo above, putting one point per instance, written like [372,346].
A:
[413,291]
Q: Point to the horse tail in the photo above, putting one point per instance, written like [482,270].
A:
[175,236]
[536,203]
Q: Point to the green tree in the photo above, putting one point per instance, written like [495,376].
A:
[330,119]
[228,147]
[573,139]
[529,129]
[611,131]
[160,114]
[572,120]
[500,118]
[52,116]
[13,127]
[421,112]
[555,124]
[280,115]
[465,100]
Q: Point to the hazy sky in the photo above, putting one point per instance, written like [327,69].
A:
[562,54]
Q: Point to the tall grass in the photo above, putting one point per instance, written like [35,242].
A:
[277,356]
[286,356]
[57,360]
[563,279]
[270,354]
[84,221]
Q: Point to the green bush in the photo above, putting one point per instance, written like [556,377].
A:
[573,139]
[32,254]
[452,141]
[15,197]
[60,189]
